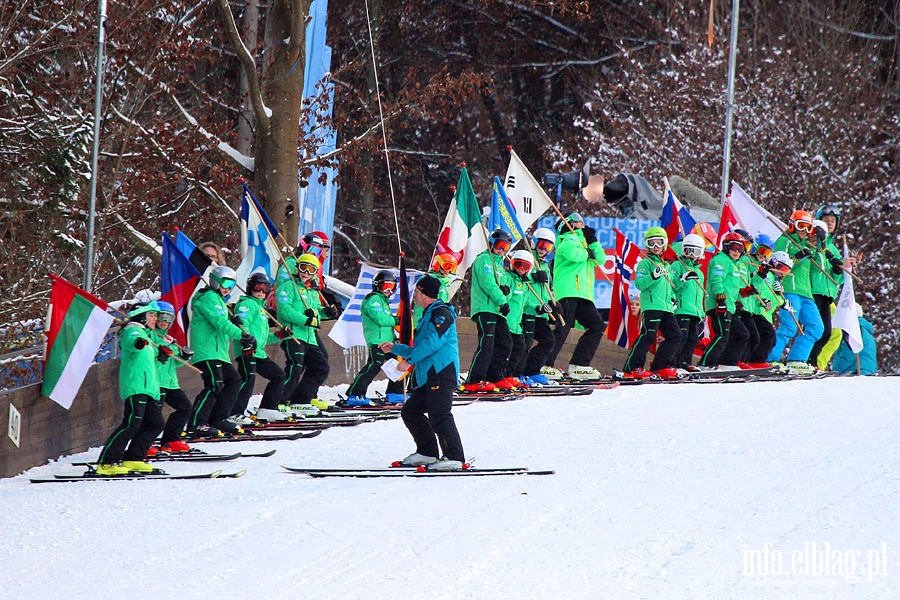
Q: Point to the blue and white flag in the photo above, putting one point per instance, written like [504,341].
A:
[503,213]
[258,242]
[347,331]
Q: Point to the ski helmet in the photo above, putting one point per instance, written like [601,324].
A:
[164,310]
[501,240]
[706,231]
[732,239]
[308,264]
[138,312]
[222,277]
[655,232]
[542,233]
[570,216]
[258,282]
[384,281]
[521,261]
[820,230]
[444,262]
[764,240]
[800,221]
[313,243]
[692,246]
[781,261]
[829,210]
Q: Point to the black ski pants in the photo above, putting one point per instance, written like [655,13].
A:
[220,388]
[140,425]
[491,359]
[176,422]
[690,327]
[428,417]
[653,322]
[545,341]
[766,331]
[738,338]
[249,367]
[586,314]
[313,368]
[370,370]
[823,303]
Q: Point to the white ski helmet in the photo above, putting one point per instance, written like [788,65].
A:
[692,246]
[520,259]
[542,233]
[780,258]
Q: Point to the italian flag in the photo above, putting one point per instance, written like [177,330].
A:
[463,233]
[76,325]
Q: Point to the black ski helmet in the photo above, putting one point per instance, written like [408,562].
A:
[381,277]
[257,278]
[499,235]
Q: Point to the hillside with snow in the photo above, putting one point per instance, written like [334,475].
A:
[754,490]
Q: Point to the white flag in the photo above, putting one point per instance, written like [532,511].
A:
[753,217]
[846,316]
[347,331]
[526,194]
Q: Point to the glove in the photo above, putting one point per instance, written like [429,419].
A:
[140,343]
[504,309]
[690,276]
[540,277]
[763,270]
[545,308]
[591,254]
[236,320]
[186,353]
[788,306]
[767,304]
[312,318]
[396,320]
[748,291]
[284,333]
[248,343]
[777,286]
[804,253]
[837,265]
[331,311]
[163,353]
[310,313]
[590,234]
[657,273]
[721,306]
[738,307]
[504,289]
[313,284]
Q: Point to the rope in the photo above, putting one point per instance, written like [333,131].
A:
[387,158]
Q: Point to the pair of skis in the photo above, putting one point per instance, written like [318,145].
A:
[93,476]
[319,473]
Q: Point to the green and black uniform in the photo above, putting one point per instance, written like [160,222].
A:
[170,391]
[251,311]
[653,279]
[378,326]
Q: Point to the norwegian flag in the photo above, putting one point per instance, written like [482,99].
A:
[623,327]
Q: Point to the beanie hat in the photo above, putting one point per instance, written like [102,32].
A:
[428,285]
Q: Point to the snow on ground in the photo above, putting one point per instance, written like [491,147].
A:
[759,490]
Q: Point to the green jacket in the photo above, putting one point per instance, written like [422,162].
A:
[689,295]
[137,368]
[292,299]
[165,372]
[751,303]
[573,271]
[798,280]
[819,283]
[210,328]
[723,276]
[377,320]
[517,300]
[656,294]
[486,296]
[252,312]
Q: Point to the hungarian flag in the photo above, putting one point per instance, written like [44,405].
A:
[526,194]
[463,234]
[178,281]
[623,327]
[76,325]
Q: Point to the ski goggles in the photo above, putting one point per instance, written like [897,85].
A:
[501,245]
[388,287]
[260,287]
[575,218]
[803,226]
[763,252]
[691,252]
[307,269]
[545,245]
[829,210]
[657,242]
[521,266]
[316,250]
[735,245]
[165,317]
[227,284]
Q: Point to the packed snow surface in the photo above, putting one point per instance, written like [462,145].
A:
[752,490]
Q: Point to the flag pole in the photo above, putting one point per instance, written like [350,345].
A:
[729,102]
[95,150]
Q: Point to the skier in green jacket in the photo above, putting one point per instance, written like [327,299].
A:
[491,285]
[251,312]
[577,255]
[139,389]
[210,333]
[298,307]
[521,299]
[536,324]
[378,326]
[654,280]
[169,389]
[688,279]
[724,281]
[825,283]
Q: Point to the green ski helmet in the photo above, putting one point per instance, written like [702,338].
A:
[655,232]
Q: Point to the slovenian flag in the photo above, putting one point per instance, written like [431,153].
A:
[76,325]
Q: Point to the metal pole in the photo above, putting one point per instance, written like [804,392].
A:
[95,151]
[729,108]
